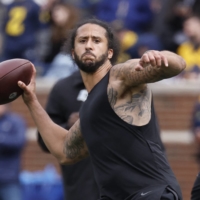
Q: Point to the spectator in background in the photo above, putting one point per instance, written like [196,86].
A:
[195,127]
[195,193]
[190,49]
[169,16]
[63,17]
[196,7]
[133,45]
[132,20]
[85,6]
[12,141]
[134,15]
[78,179]
[21,25]
[1,16]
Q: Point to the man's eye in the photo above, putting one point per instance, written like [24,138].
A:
[97,41]
[82,41]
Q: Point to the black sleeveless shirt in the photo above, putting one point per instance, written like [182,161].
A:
[128,160]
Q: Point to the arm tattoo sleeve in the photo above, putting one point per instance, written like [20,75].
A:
[75,147]
[112,96]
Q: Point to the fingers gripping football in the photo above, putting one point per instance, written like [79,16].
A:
[29,90]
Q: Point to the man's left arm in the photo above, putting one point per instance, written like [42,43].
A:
[153,66]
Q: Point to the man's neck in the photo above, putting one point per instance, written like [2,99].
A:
[90,80]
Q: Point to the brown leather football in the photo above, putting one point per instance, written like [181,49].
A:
[11,71]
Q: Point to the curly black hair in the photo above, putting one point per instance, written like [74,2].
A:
[113,42]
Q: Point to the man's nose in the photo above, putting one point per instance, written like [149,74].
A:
[89,44]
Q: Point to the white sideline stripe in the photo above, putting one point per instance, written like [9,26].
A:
[173,136]
[31,134]
[169,136]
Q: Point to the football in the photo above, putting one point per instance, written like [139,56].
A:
[11,71]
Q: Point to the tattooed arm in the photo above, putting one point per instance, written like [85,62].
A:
[128,93]
[67,146]
[75,147]
[151,67]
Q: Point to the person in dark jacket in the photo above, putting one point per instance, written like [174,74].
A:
[64,102]
[195,129]
[195,193]
[12,141]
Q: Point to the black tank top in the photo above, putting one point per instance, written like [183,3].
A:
[128,160]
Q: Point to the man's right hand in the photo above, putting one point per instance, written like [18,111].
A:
[29,90]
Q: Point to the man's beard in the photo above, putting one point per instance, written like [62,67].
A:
[92,66]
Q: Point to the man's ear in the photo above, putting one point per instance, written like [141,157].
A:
[110,53]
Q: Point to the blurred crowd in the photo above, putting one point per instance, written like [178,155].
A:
[36,30]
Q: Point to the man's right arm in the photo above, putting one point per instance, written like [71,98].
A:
[75,147]
[57,139]
[68,146]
